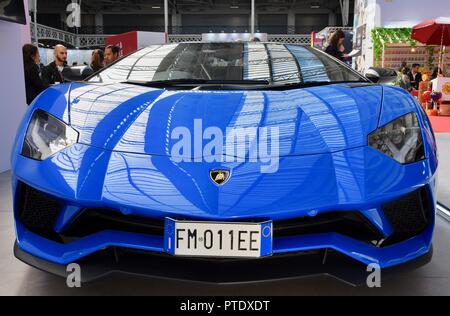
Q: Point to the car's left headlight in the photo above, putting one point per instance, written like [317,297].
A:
[400,139]
[46,135]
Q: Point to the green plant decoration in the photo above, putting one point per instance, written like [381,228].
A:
[430,50]
[382,36]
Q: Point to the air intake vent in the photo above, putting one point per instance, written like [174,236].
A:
[409,216]
[351,224]
[91,221]
[38,211]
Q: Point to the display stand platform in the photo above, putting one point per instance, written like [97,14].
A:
[441,124]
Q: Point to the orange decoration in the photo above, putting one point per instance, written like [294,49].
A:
[446,88]
[432,112]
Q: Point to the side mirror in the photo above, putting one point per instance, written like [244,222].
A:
[373,79]
[72,74]
[373,76]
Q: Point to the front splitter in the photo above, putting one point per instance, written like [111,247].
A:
[220,271]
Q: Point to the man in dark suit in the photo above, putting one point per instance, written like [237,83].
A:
[415,76]
[53,72]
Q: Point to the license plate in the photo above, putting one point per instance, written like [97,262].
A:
[218,239]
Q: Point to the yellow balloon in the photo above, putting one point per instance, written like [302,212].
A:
[446,88]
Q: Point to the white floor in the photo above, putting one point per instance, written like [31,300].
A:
[444,168]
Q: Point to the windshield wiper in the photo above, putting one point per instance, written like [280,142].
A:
[195,82]
[298,85]
[238,84]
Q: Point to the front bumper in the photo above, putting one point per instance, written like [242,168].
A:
[357,180]
[65,253]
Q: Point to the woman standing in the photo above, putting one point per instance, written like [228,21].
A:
[97,60]
[404,81]
[33,82]
[336,46]
[437,72]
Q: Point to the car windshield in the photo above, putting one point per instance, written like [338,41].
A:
[234,63]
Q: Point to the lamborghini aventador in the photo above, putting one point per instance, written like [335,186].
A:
[224,162]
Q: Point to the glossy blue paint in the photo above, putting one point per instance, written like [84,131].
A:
[122,162]
[68,213]
[353,179]
[137,119]
[377,218]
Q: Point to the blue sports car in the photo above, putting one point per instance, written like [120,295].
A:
[224,162]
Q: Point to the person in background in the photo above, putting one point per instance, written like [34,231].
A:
[415,76]
[97,60]
[40,68]
[52,73]
[404,81]
[437,72]
[33,82]
[336,46]
[111,54]
[403,65]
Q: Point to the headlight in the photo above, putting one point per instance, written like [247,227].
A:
[401,139]
[47,135]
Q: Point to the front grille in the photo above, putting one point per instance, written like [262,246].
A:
[350,223]
[38,211]
[409,215]
[90,221]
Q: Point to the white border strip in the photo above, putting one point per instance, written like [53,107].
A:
[443,211]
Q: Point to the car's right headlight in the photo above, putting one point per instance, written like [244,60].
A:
[46,135]
[400,139]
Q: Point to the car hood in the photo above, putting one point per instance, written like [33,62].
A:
[144,120]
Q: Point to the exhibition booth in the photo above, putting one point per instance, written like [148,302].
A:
[386,27]
[14,33]
[131,41]
[390,35]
